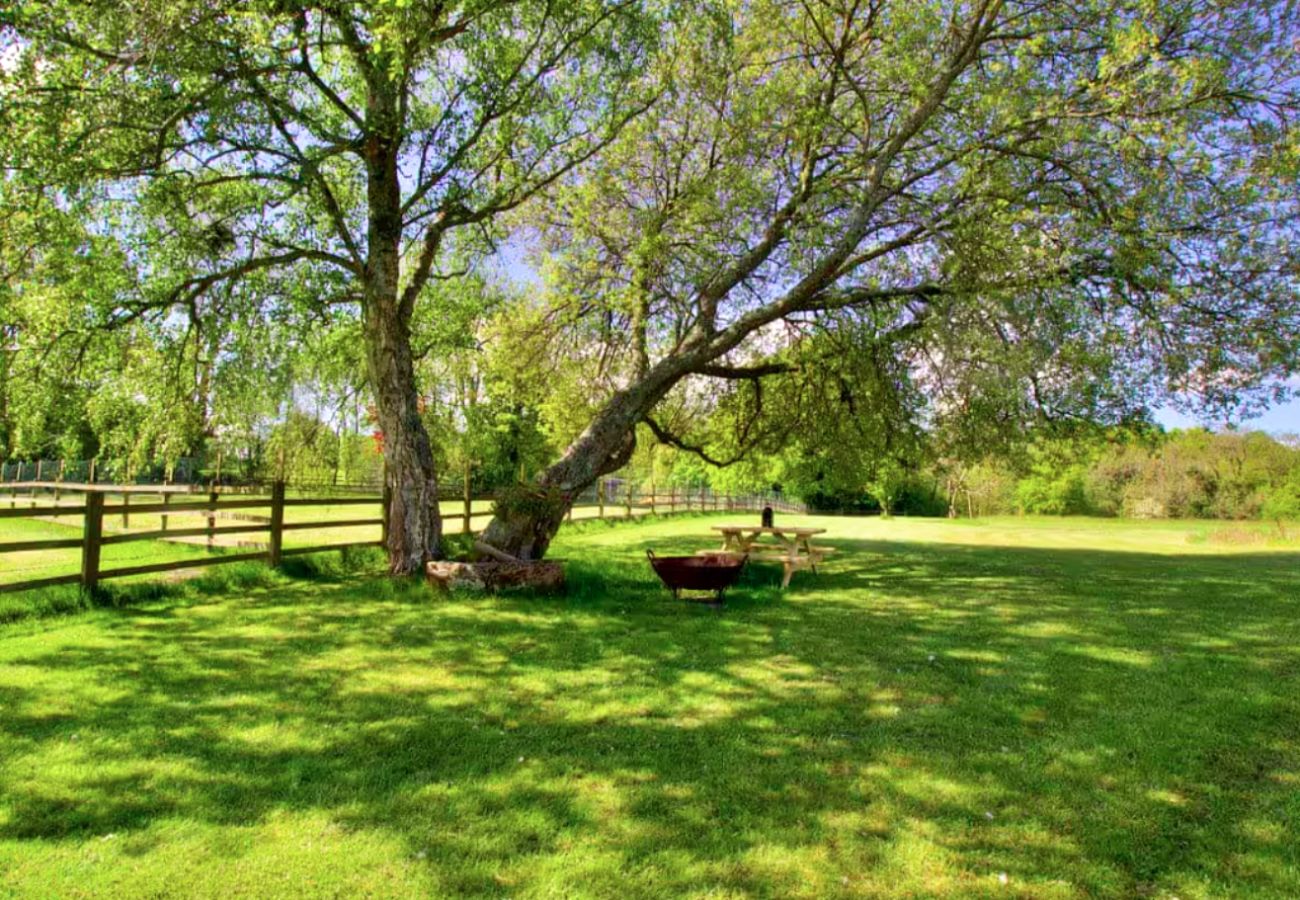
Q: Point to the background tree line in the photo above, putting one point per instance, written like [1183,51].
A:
[1153,473]
[839,440]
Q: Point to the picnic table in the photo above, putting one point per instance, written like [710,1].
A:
[793,547]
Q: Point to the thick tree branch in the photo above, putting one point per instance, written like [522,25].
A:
[744,372]
[305,66]
[664,436]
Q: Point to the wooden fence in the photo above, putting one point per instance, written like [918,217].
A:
[227,505]
[94,510]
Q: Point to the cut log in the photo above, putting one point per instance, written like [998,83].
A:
[498,555]
[494,575]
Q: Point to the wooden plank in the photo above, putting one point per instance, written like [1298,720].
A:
[338,523]
[38,583]
[92,531]
[38,511]
[179,532]
[199,563]
[468,499]
[196,506]
[241,516]
[79,487]
[303,551]
[331,501]
[277,524]
[49,544]
[386,510]
[213,498]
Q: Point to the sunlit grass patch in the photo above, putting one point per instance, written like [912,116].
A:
[927,716]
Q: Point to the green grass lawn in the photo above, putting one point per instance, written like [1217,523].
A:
[1055,708]
[29,565]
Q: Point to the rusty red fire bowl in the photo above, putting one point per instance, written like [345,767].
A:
[711,573]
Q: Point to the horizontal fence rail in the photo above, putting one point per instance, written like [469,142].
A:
[609,500]
[194,471]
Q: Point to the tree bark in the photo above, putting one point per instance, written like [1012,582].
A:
[414,522]
[604,447]
[415,526]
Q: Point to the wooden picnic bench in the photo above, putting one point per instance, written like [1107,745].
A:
[794,548]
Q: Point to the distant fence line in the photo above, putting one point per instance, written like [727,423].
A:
[611,491]
[184,471]
[45,500]
[188,475]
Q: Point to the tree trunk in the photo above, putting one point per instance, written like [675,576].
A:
[415,527]
[604,447]
[414,522]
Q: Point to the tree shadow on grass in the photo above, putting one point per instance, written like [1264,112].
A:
[916,717]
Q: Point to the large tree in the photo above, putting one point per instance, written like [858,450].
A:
[1070,209]
[335,149]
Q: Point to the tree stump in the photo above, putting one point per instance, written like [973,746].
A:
[494,575]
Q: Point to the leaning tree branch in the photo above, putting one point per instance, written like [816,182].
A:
[193,287]
[664,436]
[745,372]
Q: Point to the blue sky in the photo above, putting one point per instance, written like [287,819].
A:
[1281,419]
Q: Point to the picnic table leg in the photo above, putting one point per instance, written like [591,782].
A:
[812,557]
[792,558]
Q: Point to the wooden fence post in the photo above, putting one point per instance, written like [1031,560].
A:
[627,500]
[92,535]
[653,510]
[277,523]
[469,500]
[600,498]
[167,501]
[387,502]
[212,516]
[126,508]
